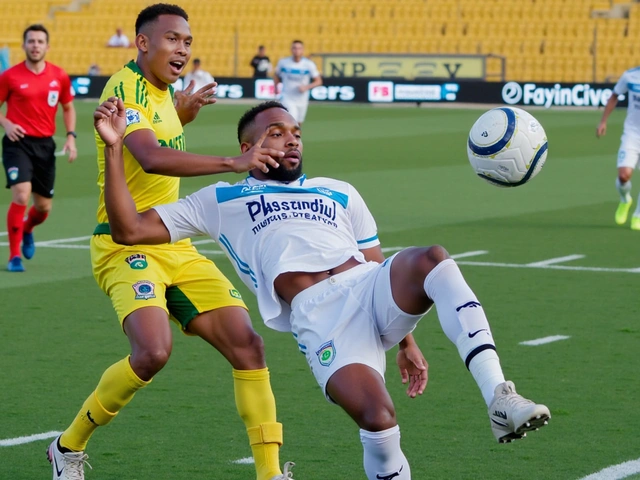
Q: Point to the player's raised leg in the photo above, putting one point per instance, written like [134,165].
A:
[420,276]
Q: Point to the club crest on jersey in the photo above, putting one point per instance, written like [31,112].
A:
[235,293]
[144,290]
[12,173]
[133,116]
[52,99]
[326,353]
[137,261]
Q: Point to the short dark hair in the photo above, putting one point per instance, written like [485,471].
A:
[250,115]
[297,41]
[260,47]
[152,12]
[36,27]
[196,60]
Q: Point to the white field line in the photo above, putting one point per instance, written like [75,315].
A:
[545,264]
[543,340]
[3,234]
[244,461]
[10,442]
[203,242]
[551,267]
[616,472]
[47,243]
[552,261]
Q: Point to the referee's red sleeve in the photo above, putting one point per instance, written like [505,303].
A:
[4,88]
[65,91]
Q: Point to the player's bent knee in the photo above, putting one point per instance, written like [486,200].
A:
[377,419]
[146,363]
[430,257]
[248,355]
[624,175]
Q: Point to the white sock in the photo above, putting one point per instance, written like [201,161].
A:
[624,189]
[637,212]
[383,457]
[463,320]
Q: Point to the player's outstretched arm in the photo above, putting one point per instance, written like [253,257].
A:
[127,225]
[158,160]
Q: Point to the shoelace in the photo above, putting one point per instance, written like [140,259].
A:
[286,472]
[74,465]
[513,399]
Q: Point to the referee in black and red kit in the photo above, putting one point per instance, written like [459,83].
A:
[32,90]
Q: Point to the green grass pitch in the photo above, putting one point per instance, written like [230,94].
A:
[59,332]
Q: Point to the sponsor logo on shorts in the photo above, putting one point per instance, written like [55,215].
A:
[235,293]
[12,173]
[137,261]
[156,118]
[133,116]
[622,154]
[144,290]
[326,353]
[52,99]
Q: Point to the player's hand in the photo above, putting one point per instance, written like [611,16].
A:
[601,130]
[258,157]
[110,121]
[188,104]
[413,369]
[15,132]
[303,88]
[70,148]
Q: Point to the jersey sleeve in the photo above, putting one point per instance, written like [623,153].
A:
[313,69]
[4,87]
[66,92]
[363,224]
[197,214]
[279,68]
[622,86]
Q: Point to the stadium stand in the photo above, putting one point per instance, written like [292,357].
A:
[541,40]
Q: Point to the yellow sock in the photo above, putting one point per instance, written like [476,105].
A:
[257,408]
[116,388]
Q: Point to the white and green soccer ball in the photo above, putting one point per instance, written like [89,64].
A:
[507,146]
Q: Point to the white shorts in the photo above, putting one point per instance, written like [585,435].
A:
[349,318]
[629,152]
[297,109]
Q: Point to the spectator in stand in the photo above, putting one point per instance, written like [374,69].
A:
[94,70]
[118,40]
[261,64]
[197,75]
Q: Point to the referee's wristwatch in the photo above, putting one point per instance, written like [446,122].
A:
[73,134]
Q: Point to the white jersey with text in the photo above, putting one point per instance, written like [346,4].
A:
[294,74]
[629,84]
[267,228]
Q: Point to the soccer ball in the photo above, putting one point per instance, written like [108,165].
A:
[507,147]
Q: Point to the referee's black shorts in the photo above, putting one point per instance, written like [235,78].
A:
[30,159]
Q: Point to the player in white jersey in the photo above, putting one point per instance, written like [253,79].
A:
[309,250]
[298,75]
[629,152]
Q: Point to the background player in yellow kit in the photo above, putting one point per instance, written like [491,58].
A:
[149,285]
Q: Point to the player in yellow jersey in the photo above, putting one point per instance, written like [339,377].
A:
[149,285]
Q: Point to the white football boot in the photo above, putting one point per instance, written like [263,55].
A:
[66,466]
[512,415]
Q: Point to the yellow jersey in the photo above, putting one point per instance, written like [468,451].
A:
[147,107]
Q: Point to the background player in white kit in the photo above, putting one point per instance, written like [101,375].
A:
[298,75]
[629,152]
[309,250]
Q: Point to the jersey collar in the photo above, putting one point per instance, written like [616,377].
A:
[251,180]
